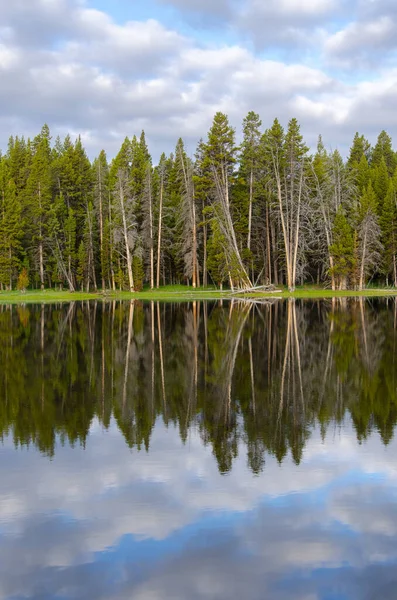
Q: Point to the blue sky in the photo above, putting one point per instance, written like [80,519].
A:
[106,522]
[110,68]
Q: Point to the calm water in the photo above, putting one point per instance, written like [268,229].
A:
[199,451]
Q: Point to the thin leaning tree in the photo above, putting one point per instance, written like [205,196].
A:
[220,158]
[125,227]
[188,214]
[286,156]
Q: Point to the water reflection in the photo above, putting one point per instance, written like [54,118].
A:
[264,374]
[143,409]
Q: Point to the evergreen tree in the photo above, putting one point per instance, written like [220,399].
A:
[220,156]
[359,149]
[38,201]
[388,225]
[11,233]
[250,159]
[264,212]
[383,151]
[101,201]
[368,235]
[342,250]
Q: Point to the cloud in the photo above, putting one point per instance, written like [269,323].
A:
[205,13]
[362,41]
[369,38]
[286,23]
[82,72]
[106,522]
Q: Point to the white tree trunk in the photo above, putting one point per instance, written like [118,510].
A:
[159,232]
[125,234]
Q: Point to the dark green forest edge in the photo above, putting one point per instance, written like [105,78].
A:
[266,213]
[252,379]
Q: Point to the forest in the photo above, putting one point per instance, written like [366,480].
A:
[265,212]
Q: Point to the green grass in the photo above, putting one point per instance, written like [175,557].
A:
[181,293]
[176,292]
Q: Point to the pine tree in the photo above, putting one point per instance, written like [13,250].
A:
[383,150]
[362,173]
[187,213]
[381,183]
[368,235]
[359,149]
[342,250]
[388,225]
[220,156]
[286,156]
[202,183]
[101,195]
[11,233]
[38,199]
[334,188]
[250,159]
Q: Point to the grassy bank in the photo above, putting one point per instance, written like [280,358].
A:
[181,293]
[164,293]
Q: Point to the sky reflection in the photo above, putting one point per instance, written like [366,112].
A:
[167,524]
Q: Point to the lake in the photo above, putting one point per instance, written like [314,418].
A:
[201,450]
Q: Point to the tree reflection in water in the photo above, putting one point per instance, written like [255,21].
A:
[246,375]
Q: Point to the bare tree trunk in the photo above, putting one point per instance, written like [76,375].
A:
[205,278]
[226,223]
[125,233]
[274,250]
[10,259]
[295,256]
[113,281]
[101,223]
[268,247]
[285,234]
[362,266]
[194,251]
[327,229]
[41,256]
[190,199]
[250,210]
[91,262]
[159,232]
[331,264]
[151,231]
[395,270]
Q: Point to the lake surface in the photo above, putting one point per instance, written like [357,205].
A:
[199,451]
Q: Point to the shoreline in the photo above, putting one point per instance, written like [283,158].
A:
[190,294]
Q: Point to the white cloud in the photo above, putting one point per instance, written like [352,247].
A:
[362,41]
[82,72]
[61,513]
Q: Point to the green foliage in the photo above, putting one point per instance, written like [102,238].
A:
[216,262]
[23,280]
[138,273]
[11,232]
[359,149]
[221,209]
[342,249]
[383,151]
[201,380]
[388,224]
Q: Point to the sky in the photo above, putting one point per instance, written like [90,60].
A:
[107,69]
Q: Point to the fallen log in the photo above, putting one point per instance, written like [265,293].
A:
[267,289]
